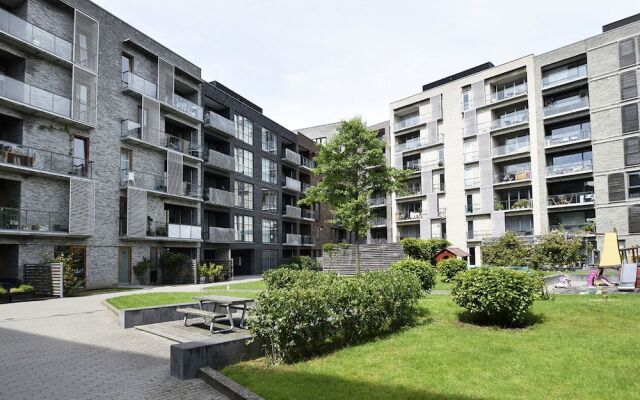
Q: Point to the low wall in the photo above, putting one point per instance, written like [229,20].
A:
[130,317]
[373,257]
[226,386]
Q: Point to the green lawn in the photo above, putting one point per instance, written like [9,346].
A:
[253,285]
[441,285]
[584,349]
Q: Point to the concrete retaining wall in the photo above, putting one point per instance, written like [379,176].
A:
[131,317]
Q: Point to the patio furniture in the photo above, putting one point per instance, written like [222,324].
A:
[628,277]
[229,304]
[208,317]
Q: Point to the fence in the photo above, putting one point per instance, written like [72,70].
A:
[373,257]
[46,279]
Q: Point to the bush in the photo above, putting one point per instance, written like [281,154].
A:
[425,250]
[141,268]
[305,313]
[24,288]
[211,272]
[496,295]
[424,271]
[301,263]
[450,267]
[507,251]
[171,264]
[3,290]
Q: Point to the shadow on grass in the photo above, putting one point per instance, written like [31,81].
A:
[530,319]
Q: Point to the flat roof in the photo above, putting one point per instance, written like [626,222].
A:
[620,22]
[459,75]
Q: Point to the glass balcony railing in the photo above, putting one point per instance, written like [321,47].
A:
[409,215]
[470,156]
[586,228]
[568,137]
[308,214]
[44,160]
[187,107]
[505,121]
[471,182]
[174,231]
[157,138]
[514,204]
[478,235]
[35,36]
[377,201]
[305,187]
[472,208]
[566,105]
[35,97]
[558,76]
[20,220]
[410,122]
[139,84]
[307,162]
[414,190]
[306,240]
[507,93]
[379,221]
[413,165]
[417,143]
[566,199]
[570,168]
[506,177]
[156,183]
[511,148]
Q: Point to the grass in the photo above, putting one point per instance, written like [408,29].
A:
[90,292]
[440,285]
[253,285]
[584,348]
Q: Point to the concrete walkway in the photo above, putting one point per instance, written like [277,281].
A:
[72,348]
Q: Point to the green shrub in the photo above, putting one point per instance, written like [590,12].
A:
[301,263]
[24,288]
[328,247]
[496,295]
[171,264]
[211,271]
[507,251]
[450,267]
[141,268]
[305,313]
[3,290]
[424,271]
[425,250]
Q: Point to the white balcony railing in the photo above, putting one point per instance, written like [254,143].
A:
[570,168]
[567,199]
[568,137]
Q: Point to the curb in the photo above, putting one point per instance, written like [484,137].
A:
[226,386]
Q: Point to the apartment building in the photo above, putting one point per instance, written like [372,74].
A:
[539,143]
[113,148]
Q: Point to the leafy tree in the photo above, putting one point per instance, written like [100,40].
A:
[353,167]
[506,251]
[556,250]
[424,249]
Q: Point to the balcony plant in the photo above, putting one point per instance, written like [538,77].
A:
[498,206]
[522,203]
[590,228]
[23,292]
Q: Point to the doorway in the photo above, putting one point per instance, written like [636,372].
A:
[242,261]
[124,265]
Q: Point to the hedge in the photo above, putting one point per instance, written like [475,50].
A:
[450,267]
[421,269]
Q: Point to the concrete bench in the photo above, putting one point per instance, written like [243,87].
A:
[208,317]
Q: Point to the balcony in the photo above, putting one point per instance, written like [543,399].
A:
[586,228]
[292,239]
[136,83]
[442,213]
[413,165]
[220,197]
[474,208]
[307,163]
[21,94]
[520,233]
[156,183]
[19,157]
[478,235]
[560,76]
[308,215]
[512,177]
[570,137]
[187,107]
[305,187]
[409,216]
[566,105]
[292,184]
[510,120]
[133,131]
[377,201]
[470,156]
[513,205]
[219,123]
[571,199]
[14,221]
[220,235]
[292,212]
[507,93]
[291,156]
[410,191]
[34,37]
[219,160]
[417,143]
[511,148]
[378,221]
[306,240]
[438,187]
[471,182]
[410,122]
[569,169]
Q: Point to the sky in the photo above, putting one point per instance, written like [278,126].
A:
[310,62]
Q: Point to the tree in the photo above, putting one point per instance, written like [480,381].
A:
[506,251]
[424,249]
[352,167]
[555,249]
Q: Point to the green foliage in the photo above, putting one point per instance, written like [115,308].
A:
[450,267]
[70,282]
[422,249]
[506,251]
[556,250]
[171,264]
[496,295]
[522,203]
[328,247]
[3,290]
[141,268]
[211,271]
[303,263]
[305,313]
[424,271]
[24,288]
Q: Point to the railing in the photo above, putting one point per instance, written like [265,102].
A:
[157,138]
[293,239]
[173,231]
[417,143]
[568,137]
[411,191]
[570,198]
[437,187]
[472,208]
[470,156]
[471,182]
[442,213]
[305,187]
[291,156]
[34,35]
[306,240]
[220,197]
[35,97]
[219,123]
[187,107]
[512,119]
[507,93]
[155,183]
[516,204]
[410,122]
[377,201]
[378,240]
[307,162]
[511,148]
[571,168]
[565,105]
[291,211]
[219,235]
[586,228]
[139,84]
[521,233]
[413,165]
[478,235]
[44,160]
[409,215]
[379,221]
[220,160]
[516,176]
[551,78]
[308,214]
[20,220]
[292,184]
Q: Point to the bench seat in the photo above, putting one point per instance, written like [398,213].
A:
[200,313]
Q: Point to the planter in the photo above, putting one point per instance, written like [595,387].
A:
[15,297]
[5,298]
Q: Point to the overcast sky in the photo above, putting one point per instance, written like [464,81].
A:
[308,62]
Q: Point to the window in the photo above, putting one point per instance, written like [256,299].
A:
[634,185]
[269,201]
[615,183]
[83,58]
[627,52]
[127,68]
[632,151]
[244,128]
[628,85]
[244,161]
[522,225]
[321,140]
[80,156]
[269,231]
[630,118]
[243,225]
[244,194]
[269,142]
[81,99]
[466,100]
[269,171]
[269,259]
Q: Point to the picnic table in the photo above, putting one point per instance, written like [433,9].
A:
[209,317]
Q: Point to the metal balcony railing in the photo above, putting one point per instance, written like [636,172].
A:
[507,93]
[138,84]
[409,215]
[216,234]
[293,239]
[186,106]
[442,213]
[22,220]
[505,177]
[292,212]
[570,198]
[292,184]
[131,129]
[220,160]
[292,156]
[219,123]
[44,160]
[379,221]
[306,240]
[556,76]
[472,208]
[307,162]
[34,97]
[568,137]
[570,168]
[220,197]
[514,204]
[566,105]
[511,148]
[377,201]
[155,183]
[308,214]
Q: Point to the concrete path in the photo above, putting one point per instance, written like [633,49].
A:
[72,348]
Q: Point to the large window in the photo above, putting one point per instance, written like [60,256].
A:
[269,141]
[243,225]
[269,231]
[466,100]
[244,161]
[244,129]
[634,184]
[269,171]
[269,259]
[269,201]
[244,194]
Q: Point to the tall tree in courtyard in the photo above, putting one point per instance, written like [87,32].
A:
[352,167]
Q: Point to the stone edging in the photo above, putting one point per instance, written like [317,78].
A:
[226,386]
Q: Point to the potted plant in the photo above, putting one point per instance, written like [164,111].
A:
[522,203]
[5,297]
[590,228]
[498,206]
[22,293]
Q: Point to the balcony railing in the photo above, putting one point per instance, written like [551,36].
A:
[305,187]
[219,123]
[471,182]
[570,199]
[155,183]
[44,160]
[409,215]
[472,208]
[413,165]
[410,122]
[515,204]
[442,213]
[220,160]
[478,235]
[138,84]
[34,35]
[292,239]
[566,105]
[506,177]
[438,187]
[380,221]
[411,191]
[470,156]
[220,197]
[377,201]
[586,228]
[34,97]
[20,220]
[378,240]
[291,156]
[557,77]
[187,107]
[219,235]
[506,121]
[417,143]
[155,137]
[292,184]
[520,232]
[507,93]
[308,214]
[568,137]
[307,162]
[292,212]
[511,148]
[571,168]
[306,240]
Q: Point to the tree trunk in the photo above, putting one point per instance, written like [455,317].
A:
[357,255]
